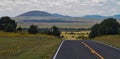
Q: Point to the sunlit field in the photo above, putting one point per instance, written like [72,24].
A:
[75,35]
[27,46]
[113,40]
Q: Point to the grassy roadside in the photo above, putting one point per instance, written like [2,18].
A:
[26,46]
[113,40]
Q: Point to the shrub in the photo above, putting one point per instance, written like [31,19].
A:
[33,29]
[55,31]
[19,29]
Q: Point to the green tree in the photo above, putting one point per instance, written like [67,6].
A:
[55,31]
[33,29]
[109,26]
[10,28]
[119,29]
[94,31]
[4,21]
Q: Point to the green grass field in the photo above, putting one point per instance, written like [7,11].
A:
[26,46]
[113,40]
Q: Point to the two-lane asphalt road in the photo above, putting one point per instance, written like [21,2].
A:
[85,49]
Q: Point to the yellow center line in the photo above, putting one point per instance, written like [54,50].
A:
[92,50]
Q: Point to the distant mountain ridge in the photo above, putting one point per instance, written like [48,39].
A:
[101,17]
[40,13]
[35,13]
[46,14]
[93,16]
[58,15]
[116,16]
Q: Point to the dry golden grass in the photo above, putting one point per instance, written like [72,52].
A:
[113,40]
[21,34]
[75,35]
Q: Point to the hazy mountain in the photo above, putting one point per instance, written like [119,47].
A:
[40,13]
[46,14]
[93,16]
[42,16]
[58,15]
[35,13]
[101,17]
[116,16]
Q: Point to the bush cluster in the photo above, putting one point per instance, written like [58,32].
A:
[109,26]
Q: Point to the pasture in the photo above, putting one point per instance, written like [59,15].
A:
[27,46]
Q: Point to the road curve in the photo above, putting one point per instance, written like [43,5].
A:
[85,49]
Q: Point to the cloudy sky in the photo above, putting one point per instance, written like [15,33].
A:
[64,7]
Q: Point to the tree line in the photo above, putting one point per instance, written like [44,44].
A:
[9,25]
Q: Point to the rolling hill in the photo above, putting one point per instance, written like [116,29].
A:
[94,16]
[35,13]
[40,14]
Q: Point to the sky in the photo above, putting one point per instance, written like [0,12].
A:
[65,7]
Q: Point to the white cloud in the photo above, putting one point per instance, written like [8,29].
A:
[98,1]
[118,3]
[66,7]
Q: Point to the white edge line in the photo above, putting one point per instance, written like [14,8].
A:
[58,50]
[107,45]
